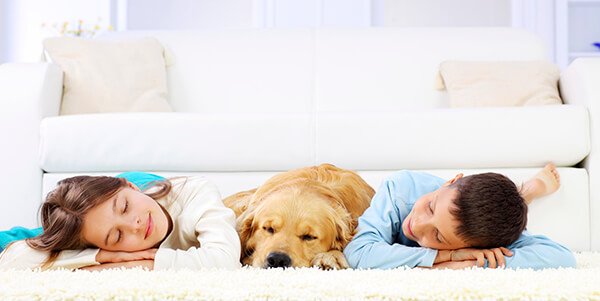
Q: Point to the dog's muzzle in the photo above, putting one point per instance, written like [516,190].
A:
[278,260]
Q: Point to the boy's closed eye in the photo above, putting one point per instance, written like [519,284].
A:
[436,233]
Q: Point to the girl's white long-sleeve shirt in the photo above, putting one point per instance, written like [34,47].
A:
[203,235]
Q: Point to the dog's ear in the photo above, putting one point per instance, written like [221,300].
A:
[339,215]
[239,202]
[245,228]
[344,228]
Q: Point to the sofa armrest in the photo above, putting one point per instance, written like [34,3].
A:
[28,93]
[579,85]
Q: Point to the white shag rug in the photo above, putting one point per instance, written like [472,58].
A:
[582,283]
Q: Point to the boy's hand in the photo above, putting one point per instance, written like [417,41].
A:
[105,256]
[495,256]
[455,265]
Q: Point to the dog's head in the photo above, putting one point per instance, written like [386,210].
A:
[288,225]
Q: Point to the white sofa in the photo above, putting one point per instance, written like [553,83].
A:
[250,103]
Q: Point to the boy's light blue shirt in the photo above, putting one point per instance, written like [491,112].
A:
[380,242]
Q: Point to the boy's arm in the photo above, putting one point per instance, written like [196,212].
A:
[539,252]
[373,245]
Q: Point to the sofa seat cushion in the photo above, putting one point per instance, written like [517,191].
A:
[455,138]
[175,142]
[428,139]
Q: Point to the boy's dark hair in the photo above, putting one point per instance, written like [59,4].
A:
[490,210]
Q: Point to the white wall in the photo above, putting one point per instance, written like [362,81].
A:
[188,14]
[407,13]
[315,13]
[3,40]
[23,26]
[539,17]
[21,32]
[5,33]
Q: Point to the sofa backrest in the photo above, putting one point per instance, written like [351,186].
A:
[326,70]
[364,99]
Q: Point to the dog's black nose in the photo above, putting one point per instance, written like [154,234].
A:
[278,260]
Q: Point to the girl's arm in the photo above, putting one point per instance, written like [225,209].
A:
[204,223]
[21,256]
[147,264]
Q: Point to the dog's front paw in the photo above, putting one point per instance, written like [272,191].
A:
[332,260]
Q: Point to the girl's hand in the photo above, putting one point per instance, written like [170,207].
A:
[104,256]
[148,264]
[455,265]
[495,256]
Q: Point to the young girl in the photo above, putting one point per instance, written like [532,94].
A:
[107,222]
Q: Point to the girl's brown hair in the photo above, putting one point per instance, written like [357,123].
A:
[63,212]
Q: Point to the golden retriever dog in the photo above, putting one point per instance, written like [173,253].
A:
[299,218]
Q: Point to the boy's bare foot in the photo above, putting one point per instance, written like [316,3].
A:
[542,184]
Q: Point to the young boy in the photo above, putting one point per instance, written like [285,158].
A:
[417,220]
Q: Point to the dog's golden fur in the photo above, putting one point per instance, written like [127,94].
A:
[303,217]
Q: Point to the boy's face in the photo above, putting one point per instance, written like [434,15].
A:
[430,222]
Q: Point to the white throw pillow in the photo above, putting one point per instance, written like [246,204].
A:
[511,83]
[102,76]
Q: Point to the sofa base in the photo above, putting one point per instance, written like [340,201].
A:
[563,216]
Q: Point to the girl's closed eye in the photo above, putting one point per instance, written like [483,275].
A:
[126,206]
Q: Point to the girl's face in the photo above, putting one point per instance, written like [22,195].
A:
[129,221]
